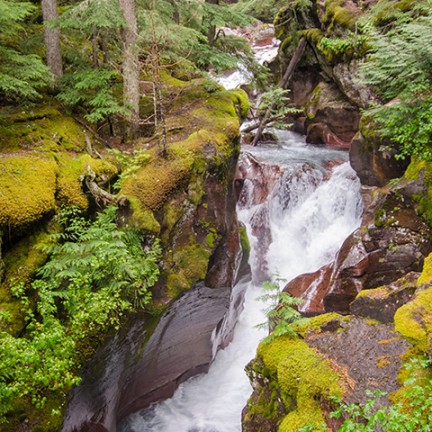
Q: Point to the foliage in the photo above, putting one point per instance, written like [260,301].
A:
[263,10]
[412,416]
[400,71]
[96,273]
[280,309]
[92,89]
[22,75]
[130,163]
[278,100]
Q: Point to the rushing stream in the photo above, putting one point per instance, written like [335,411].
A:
[311,210]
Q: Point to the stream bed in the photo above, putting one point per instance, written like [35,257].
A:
[313,206]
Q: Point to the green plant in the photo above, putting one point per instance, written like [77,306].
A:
[280,309]
[130,162]
[414,415]
[96,273]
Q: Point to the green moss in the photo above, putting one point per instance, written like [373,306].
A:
[27,189]
[192,259]
[414,320]
[21,263]
[302,373]
[142,217]
[313,35]
[336,15]
[244,240]
[42,128]
[71,168]
[426,275]
[314,324]
[241,102]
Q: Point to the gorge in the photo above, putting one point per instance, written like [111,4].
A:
[135,243]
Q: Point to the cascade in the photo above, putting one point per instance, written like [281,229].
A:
[310,208]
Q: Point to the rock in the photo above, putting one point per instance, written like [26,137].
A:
[383,302]
[394,243]
[374,158]
[345,76]
[332,119]
[369,353]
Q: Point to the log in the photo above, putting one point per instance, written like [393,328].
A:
[298,53]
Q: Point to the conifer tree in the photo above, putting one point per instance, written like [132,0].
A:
[22,74]
[52,37]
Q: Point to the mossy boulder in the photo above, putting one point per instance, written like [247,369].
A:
[27,189]
[300,376]
[414,321]
[42,128]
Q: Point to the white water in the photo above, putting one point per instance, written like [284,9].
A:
[309,219]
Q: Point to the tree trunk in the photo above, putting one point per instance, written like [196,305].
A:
[283,84]
[211,32]
[130,65]
[52,37]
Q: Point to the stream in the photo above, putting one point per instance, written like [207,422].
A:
[311,210]
[313,205]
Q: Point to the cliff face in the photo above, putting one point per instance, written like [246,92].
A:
[185,198]
[369,306]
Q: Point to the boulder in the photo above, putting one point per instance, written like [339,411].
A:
[383,302]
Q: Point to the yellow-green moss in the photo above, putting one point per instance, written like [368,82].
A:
[241,101]
[426,275]
[303,373]
[21,263]
[313,325]
[142,217]
[337,15]
[42,128]
[70,169]
[414,320]
[27,189]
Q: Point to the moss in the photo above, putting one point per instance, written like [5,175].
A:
[313,35]
[414,320]
[244,240]
[314,324]
[383,361]
[426,275]
[21,264]
[241,102]
[71,168]
[142,217]
[336,15]
[27,189]
[304,374]
[193,260]
[42,128]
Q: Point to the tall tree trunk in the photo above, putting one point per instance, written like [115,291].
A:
[211,32]
[131,93]
[52,37]
[176,12]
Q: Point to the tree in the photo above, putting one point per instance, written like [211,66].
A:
[399,68]
[130,66]
[52,37]
[22,75]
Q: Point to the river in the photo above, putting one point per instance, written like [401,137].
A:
[310,211]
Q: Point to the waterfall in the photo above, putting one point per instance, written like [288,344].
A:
[309,211]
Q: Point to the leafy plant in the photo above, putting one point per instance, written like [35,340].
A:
[96,273]
[414,415]
[22,74]
[280,309]
[400,71]
[130,162]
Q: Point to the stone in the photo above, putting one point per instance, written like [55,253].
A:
[383,302]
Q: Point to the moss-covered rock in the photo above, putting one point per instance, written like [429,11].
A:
[303,378]
[27,189]
[414,320]
[42,128]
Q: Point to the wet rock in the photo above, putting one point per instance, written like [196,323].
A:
[383,302]
[332,119]
[374,158]
[392,242]
[369,353]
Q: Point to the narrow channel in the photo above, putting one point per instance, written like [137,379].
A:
[313,206]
